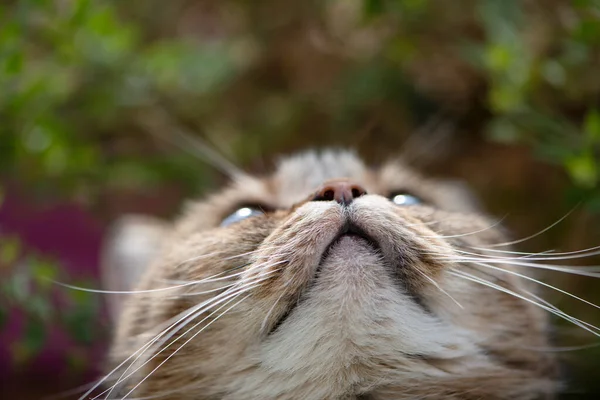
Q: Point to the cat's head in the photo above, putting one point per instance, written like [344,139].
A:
[327,279]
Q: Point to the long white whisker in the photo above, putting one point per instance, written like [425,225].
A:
[172,322]
[173,287]
[174,328]
[552,310]
[554,256]
[538,282]
[528,256]
[214,278]
[439,287]
[177,285]
[536,234]
[264,323]
[560,268]
[202,256]
[69,392]
[548,304]
[543,252]
[180,347]
[468,233]
[232,284]
[563,348]
[156,124]
[206,305]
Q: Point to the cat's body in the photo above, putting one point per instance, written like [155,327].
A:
[334,292]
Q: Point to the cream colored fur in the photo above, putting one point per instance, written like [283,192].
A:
[348,321]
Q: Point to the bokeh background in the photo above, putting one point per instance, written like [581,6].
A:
[98,96]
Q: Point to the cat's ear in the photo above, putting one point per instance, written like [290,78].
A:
[130,245]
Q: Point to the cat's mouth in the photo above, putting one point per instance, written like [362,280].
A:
[354,232]
[348,232]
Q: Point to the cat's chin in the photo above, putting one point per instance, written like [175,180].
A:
[349,245]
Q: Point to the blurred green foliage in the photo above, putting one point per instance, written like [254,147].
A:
[82,79]
[76,74]
[30,289]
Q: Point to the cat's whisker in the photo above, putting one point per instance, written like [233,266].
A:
[209,255]
[218,347]
[592,329]
[69,392]
[159,123]
[521,256]
[205,306]
[283,293]
[124,376]
[171,324]
[180,347]
[583,271]
[541,256]
[535,234]
[536,281]
[212,279]
[188,294]
[591,252]
[101,291]
[434,283]
[548,304]
[202,256]
[175,285]
[518,255]
[563,348]
[219,276]
[439,236]
[162,289]
[264,323]
[174,328]
[541,303]
[527,259]
[438,128]
[237,288]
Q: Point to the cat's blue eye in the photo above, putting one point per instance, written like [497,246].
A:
[241,214]
[405,199]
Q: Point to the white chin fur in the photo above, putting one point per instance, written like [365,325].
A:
[355,314]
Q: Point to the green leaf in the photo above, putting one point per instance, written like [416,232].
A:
[44,272]
[3,316]
[583,170]
[499,57]
[591,126]
[588,31]
[500,18]
[554,73]
[19,286]
[13,64]
[373,8]
[34,337]
[77,360]
[506,98]
[80,324]
[39,307]
[10,248]
[502,130]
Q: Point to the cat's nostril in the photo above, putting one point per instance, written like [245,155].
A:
[341,190]
[357,192]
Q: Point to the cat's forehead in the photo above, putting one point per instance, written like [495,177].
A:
[303,173]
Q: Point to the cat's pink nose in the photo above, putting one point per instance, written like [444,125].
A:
[344,191]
